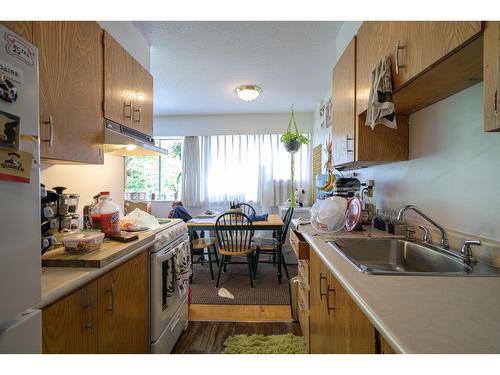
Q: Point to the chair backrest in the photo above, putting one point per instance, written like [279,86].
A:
[234,232]
[286,223]
[247,209]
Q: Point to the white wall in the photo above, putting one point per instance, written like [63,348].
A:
[130,38]
[88,180]
[265,123]
[452,174]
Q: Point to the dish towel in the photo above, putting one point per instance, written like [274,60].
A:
[182,261]
[380,104]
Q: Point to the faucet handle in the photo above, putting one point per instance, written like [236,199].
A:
[466,250]
[427,234]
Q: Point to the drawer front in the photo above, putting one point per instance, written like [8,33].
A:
[304,322]
[303,270]
[299,245]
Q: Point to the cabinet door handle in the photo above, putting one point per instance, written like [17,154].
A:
[347,139]
[50,140]
[127,109]
[328,290]
[398,48]
[137,110]
[111,308]
[321,294]
[90,322]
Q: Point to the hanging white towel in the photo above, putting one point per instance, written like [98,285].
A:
[380,105]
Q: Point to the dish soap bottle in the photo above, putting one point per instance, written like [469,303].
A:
[106,215]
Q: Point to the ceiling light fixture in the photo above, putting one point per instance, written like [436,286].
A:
[248,92]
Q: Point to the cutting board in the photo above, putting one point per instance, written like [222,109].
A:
[110,251]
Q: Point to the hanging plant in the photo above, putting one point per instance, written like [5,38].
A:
[292,139]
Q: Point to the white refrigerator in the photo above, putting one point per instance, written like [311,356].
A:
[20,263]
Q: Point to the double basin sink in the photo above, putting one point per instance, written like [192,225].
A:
[401,257]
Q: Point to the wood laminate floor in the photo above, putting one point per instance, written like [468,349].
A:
[209,337]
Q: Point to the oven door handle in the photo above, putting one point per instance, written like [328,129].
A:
[168,255]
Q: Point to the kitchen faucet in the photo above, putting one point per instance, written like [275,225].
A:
[444,236]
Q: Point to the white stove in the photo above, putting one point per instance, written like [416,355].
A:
[170,268]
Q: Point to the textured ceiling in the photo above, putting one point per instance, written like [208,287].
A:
[197,65]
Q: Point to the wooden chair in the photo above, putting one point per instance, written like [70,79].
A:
[247,209]
[271,246]
[198,247]
[234,234]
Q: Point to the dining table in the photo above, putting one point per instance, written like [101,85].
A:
[274,223]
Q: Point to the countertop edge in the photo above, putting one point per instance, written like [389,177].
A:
[374,319]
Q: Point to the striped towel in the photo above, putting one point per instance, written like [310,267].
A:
[380,105]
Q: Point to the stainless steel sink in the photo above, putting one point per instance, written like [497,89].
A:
[400,257]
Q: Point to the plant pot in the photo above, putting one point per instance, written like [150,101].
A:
[292,146]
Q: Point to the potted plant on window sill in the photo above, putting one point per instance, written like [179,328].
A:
[292,139]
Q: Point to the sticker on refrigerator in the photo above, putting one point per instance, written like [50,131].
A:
[15,166]
[17,48]
[10,72]
[8,91]
[9,131]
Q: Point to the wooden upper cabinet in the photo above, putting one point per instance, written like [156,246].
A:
[344,101]
[122,312]
[491,83]
[118,91]
[70,65]
[22,28]
[70,325]
[374,40]
[128,88]
[413,47]
[143,104]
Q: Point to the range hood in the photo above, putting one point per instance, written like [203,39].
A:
[123,141]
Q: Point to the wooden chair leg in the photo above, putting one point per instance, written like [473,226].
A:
[228,260]
[250,273]
[284,266]
[220,270]
[256,262]
[210,264]
[216,255]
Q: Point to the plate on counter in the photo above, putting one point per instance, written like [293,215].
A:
[139,229]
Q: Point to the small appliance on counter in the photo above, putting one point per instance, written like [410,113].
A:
[346,187]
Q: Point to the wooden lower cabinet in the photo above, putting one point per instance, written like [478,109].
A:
[337,325]
[70,325]
[122,308]
[109,315]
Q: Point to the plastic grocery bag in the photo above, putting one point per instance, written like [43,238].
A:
[138,220]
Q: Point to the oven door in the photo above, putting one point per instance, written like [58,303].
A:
[165,299]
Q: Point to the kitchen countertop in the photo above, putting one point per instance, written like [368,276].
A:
[421,314]
[58,282]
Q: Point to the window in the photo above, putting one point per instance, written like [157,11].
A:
[155,177]
[251,168]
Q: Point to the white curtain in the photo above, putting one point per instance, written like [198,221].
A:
[249,168]
[191,172]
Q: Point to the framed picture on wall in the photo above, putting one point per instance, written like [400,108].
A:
[327,116]
[322,114]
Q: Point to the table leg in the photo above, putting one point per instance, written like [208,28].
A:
[279,249]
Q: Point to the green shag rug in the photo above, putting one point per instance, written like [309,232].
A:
[260,344]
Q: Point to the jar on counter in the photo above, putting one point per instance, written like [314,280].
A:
[106,215]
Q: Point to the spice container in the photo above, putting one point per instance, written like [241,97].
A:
[82,242]
[73,200]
